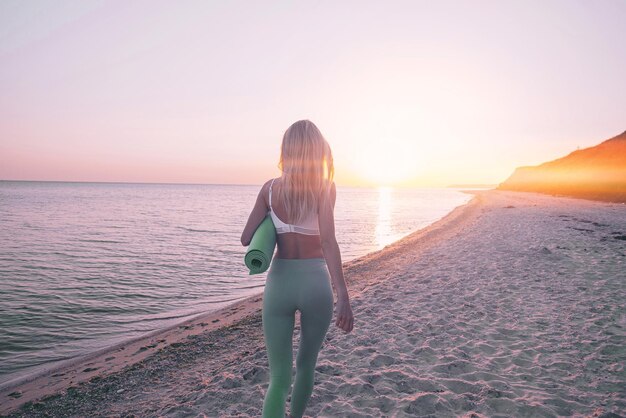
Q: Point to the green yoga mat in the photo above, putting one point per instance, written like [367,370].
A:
[261,249]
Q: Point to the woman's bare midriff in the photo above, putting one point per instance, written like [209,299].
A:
[293,245]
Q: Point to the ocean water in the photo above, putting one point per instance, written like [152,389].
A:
[86,265]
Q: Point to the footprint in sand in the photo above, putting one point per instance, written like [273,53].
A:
[328,369]
[144,348]
[256,374]
[382,360]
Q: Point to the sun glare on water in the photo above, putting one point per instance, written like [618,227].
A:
[383,224]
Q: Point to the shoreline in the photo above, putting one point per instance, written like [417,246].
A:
[55,379]
[116,357]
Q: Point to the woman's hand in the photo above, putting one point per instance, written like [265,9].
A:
[344,320]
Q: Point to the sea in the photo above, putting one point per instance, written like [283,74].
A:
[84,266]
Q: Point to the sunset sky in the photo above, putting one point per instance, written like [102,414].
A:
[414,92]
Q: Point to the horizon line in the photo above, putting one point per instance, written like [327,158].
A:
[241,184]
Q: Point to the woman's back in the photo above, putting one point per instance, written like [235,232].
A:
[292,245]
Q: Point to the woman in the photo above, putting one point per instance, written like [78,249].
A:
[301,203]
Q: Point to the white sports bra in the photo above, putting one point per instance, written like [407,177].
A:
[308,227]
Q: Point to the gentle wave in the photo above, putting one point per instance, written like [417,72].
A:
[210,231]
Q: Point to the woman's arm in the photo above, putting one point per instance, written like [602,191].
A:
[256,216]
[330,248]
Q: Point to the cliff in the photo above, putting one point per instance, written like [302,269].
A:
[597,173]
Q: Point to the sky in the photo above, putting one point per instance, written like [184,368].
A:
[407,93]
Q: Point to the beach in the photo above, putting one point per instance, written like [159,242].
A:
[514,304]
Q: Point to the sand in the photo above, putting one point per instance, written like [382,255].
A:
[513,305]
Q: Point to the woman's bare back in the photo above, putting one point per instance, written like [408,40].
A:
[292,245]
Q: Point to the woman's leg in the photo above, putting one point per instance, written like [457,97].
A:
[278,317]
[316,311]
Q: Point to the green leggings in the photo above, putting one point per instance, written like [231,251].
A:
[294,284]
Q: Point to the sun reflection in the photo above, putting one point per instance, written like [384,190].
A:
[383,223]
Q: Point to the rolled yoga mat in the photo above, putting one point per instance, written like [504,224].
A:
[261,249]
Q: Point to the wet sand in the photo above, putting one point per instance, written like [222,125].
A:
[512,305]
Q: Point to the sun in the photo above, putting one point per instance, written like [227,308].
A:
[387,161]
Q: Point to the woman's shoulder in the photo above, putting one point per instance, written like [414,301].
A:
[267,184]
[265,189]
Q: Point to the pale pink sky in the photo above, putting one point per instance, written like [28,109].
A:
[417,92]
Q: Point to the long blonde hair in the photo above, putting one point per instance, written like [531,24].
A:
[306,162]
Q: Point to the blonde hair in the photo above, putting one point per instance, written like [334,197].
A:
[306,162]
